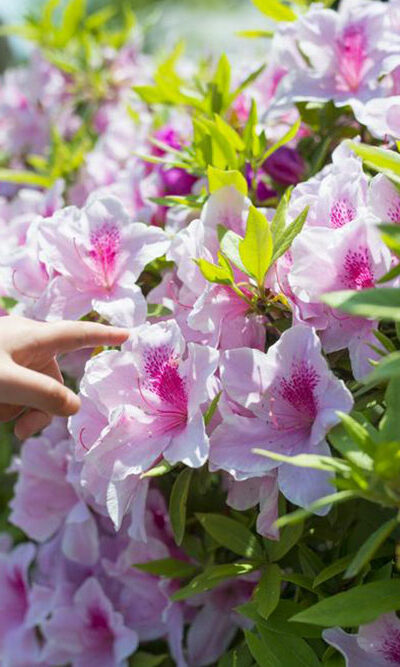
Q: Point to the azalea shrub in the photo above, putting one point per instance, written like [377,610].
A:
[229,492]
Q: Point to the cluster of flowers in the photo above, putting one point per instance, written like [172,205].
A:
[209,373]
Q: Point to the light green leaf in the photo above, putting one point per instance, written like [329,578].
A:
[212,408]
[217,178]
[257,246]
[288,136]
[289,234]
[230,248]
[160,469]
[387,369]
[381,303]
[369,548]
[214,273]
[301,514]
[25,178]
[254,34]
[358,433]
[177,503]
[379,159]
[232,535]
[268,590]
[275,10]
[327,463]
[359,605]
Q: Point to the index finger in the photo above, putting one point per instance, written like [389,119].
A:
[67,336]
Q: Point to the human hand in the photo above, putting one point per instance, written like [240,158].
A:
[31,385]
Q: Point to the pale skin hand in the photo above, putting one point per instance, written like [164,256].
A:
[31,384]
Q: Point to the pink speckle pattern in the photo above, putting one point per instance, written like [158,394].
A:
[341,213]
[105,246]
[391,647]
[393,211]
[357,273]
[299,389]
[161,367]
[352,54]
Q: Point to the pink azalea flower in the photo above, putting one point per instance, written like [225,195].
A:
[43,497]
[353,257]
[335,196]
[18,641]
[144,403]
[384,199]
[345,53]
[99,254]
[217,622]
[376,644]
[262,491]
[381,116]
[290,399]
[89,632]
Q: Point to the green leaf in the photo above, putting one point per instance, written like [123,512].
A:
[391,236]
[327,463]
[301,514]
[24,178]
[389,426]
[369,548]
[288,136]
[254,34]
[257,246]
[157,310]
[212,408]
[357,606]
[289,234]
[217,178]
[257,649]
[232,535]
[177,503]
[214,273]
[387,460]
[268,590]
[379,159]
[358,433]
[289,537]
[275,10]
[387,369]
[298,579]
[230,248]
[374,303]
[211,577]
[287,650]
[343,443]
[333,569]
[168,567]
[160,469]
[142,659]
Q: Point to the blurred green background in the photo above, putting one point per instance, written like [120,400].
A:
[208,26]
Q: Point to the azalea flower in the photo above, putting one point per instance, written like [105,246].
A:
[287,401]
[97,254]
[376,644]
[144,403]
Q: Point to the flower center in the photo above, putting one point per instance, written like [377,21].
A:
[393,211]
[352,54]
[105,246]
[357,272]
[341,213]
[391,647]
[161,368]
[294,406]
